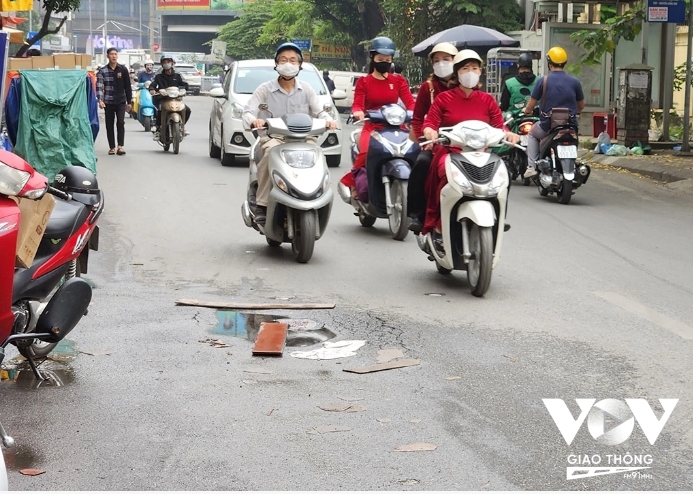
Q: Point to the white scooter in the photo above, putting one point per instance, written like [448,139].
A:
[8,442]
[300,200]
[473,204]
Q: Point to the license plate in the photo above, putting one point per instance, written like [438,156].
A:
[566,152]
[523,140]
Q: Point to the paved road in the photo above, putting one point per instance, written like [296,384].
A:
[590,300]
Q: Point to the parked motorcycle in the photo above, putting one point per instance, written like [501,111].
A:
[473,204]
[41,304]
[558,164]
[516,159]
[300,200]
[172,129]
[143,108]
[390,158]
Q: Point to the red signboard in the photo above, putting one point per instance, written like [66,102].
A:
[182,4]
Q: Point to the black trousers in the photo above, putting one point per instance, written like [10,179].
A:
[116,111]
[416,188]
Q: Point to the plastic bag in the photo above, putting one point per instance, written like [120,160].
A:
[637,150]
[617,150]
[603,140]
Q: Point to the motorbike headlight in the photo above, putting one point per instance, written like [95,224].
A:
[500,179]
[279,182]
[461,179]
[12,181]
[173,93]
[303,158]
[181,92]
[325,183]
[236,111]
[395,115]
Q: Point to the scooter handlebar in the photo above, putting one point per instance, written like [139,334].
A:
[58,193]
[508,143]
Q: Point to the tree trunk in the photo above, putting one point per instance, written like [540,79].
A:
[41,33]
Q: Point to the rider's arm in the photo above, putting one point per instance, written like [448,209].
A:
[537,93]
[580,97]
[505,98]
[128,88]
[530,106]
[99,86]
[182,83]
[154,86]
[250,110]
[423,103]
[494,112]
[405,94]
[359,95]
[433,118]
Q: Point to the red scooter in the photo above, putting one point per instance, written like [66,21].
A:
[41,304]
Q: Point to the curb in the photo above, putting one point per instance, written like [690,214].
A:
[673,170]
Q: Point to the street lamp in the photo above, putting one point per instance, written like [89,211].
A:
[105,31]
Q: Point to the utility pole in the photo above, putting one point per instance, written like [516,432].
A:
[686,145]
[105,31]
[151,27]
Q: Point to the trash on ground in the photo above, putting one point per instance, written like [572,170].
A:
[453,378]
[416,447]
[618,150]
[247,305]
[215,343]
[323,429]
[388,355]
[96,353]
[249,381]
[271,339]
[331,350]
[415,421]
[342,407]
[31,471]
[434,294]
[350,398]
[258,371]
[386,366]
[303,324]
[409,482]
[512,358]
[384,420]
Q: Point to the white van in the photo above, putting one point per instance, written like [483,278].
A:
[347,82]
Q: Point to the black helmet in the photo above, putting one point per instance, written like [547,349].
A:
[80,183]
[525,60]
[382,45]
[288,46]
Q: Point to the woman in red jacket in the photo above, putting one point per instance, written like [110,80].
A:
[378,88]
[441,56]
[464,102]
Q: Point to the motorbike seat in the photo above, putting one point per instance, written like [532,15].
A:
[65,219]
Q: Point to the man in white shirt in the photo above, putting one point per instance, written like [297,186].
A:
[282,96]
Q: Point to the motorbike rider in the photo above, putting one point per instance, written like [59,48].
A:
[168,77]
[464,102]
[562,91]
[328,82]
[441,57]
[280,96]
[512,86]
[148,73]
[378,88]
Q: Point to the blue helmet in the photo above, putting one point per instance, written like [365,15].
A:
[382,45]
[164,56]
[288,46]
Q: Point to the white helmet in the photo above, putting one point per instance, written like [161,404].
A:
[149,61]
[467,55]
[448,48]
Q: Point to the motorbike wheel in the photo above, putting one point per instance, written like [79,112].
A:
[480,267]
[272,243]
[147,123]
[304,236]
[41,349]
[512,164]
[175,136]
[566,192]
[399,221]
[366,220]
[442,270]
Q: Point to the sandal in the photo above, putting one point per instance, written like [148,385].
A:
[111,151]
[120,152]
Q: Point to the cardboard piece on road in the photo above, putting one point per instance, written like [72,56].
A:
[246,305]
[34,216]
[416,447]
[388,355]
[385,366]
[270,339]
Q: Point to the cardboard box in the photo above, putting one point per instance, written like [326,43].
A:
[84,61]
[20,63]
[64,60]
[32,225]
[42,62]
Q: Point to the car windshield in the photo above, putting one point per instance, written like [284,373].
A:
[249,78]
[187,70]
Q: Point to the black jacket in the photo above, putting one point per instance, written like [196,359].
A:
[526,78]
[163,80]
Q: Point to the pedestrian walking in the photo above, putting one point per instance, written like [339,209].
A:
[114,92]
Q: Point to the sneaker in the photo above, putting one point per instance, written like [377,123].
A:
[415,225]
[260,215]
[157,135]
[530,172]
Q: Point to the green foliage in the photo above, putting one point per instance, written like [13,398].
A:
[243,34]
[597,42]
[48,25]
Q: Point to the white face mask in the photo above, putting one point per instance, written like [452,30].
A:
[442,69]
[288,70]
[166,66]
[468,79]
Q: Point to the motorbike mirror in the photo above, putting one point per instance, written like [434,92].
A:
[217,92]
[64,310]
[339,94]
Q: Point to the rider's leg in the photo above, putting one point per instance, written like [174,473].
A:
[263,180]
[534,138]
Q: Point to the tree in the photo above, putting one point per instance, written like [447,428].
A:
[51,7]
[242,35]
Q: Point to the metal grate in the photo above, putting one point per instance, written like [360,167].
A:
[299,129]
[477,174]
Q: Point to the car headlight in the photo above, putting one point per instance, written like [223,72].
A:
[500,179]
[395,114]
[304,158]
[236,111]
[279,182]
[12,181]
[461,179]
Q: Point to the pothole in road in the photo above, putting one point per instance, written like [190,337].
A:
[301,332]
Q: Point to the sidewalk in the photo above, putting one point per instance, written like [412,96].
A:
[664,165]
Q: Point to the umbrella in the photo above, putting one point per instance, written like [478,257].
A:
[466,36]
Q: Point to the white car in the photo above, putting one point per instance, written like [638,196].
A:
[191,75]
[227,137]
